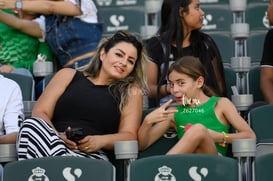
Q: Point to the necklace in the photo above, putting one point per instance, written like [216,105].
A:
[190,101]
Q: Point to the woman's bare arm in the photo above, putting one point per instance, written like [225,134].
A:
[24,25]
[45,105]
[44,7]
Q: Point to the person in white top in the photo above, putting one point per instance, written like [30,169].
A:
[72,28]
[11,111]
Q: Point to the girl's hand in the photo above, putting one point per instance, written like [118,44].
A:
[161,114]
[216,136]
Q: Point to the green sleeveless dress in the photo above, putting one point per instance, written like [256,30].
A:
[203,114]
[19,49]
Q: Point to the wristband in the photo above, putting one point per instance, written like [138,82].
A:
[225,138]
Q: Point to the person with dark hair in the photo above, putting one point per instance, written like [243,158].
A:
[72,28]
[104,99]
[266,78]
[201,118]
[179,35]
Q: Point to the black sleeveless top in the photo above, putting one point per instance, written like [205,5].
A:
[91,107]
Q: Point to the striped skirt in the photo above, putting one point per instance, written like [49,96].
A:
[37,139]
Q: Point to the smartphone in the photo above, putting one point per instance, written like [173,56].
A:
[75,134]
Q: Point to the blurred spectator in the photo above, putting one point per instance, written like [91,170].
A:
[71,28]
[18,49]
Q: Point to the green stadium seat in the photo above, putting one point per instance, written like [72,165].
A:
[218,17]
[184,167]
[260,119]
[26,84]
[225,44]
[256,16]
[59,168]
[255,44]
[8,153]
[254,84]
[122,18]
[264,147]
[161,146]
[118,3]
[230,76]
[263,167]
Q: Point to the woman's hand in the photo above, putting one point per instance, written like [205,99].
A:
[71,144]
[90,144]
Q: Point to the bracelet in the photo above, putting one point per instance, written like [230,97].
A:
[225,138]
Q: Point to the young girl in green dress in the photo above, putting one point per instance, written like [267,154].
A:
[202,120]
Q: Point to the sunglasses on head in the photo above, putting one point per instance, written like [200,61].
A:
[126,36]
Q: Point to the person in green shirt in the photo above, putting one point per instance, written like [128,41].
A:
[202,120]
[18,49]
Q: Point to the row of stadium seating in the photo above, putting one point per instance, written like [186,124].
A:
[125,3]
[217,21]
[154,164]
[168,168]
[169,139]
[218,17]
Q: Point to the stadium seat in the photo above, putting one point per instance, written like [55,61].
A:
[225,44]
[122,18]
[218,17]
[28,106]
[256,16]
[59,168]
[254,84]
[230,76]
[264,147]
[118,3]
[263,167]
[8,153]
[184,167]
[255,44]
[161,146]
[260,119]
[26,84]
